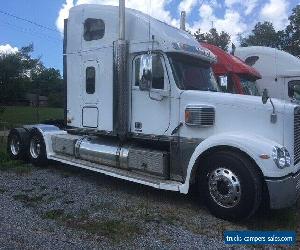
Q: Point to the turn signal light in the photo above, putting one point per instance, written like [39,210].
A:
[187,116]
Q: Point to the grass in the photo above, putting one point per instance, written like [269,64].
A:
[31,201]
[18,167]
[15,115]
[53,214]
[113,229]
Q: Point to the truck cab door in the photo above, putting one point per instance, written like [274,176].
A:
[150,110]
[90,91]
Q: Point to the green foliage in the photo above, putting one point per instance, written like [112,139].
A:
[263,34]
[2,109]
[221,39]
[116,230]
[21,74]
[292,33]
[18,167]
[14,73]
[53,214]
[56,100]
[31,201]
[46,82]
[15,116]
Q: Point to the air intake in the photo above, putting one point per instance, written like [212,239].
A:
[200,116]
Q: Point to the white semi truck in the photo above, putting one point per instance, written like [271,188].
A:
[143,106]
[280,71]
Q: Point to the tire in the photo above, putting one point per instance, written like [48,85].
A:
[37,149]
[17,144]
[231,184]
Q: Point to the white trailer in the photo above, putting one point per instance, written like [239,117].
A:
[280,70]
[143,106]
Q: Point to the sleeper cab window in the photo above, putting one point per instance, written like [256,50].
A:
[157,72]
[94,29]
[90,80]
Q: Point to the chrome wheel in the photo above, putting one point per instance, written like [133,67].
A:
[15,147]
[35,147]
[224,187]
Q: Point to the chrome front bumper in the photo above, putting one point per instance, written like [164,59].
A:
[284,192]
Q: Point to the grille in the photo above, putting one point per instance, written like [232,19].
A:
[297,135]
[201,116]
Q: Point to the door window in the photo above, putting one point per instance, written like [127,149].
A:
[90,80]
[157,73]
[157,77]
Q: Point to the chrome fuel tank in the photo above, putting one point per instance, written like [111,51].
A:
[104,152]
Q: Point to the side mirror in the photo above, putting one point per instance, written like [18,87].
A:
[265,96]
[145,74]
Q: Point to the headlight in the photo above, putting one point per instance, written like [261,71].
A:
[281,157]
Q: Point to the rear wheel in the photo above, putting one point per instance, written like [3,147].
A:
[37,149]
[17,144]
[231,184]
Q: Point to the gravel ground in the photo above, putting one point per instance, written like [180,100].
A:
[60,207]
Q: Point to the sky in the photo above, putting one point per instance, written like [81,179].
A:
[46,19]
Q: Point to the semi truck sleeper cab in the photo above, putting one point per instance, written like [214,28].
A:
[143,106]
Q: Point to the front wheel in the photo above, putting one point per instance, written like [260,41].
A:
[37,149]
[231,184]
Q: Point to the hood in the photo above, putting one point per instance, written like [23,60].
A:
[239,114]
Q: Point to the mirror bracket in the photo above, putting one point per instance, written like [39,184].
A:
[265,98]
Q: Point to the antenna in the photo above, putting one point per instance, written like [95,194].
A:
[149,25]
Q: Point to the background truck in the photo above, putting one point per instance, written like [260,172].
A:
[280,70]
[239,77]
[142,106]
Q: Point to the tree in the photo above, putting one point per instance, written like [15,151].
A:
[15,71]
[21,74]
[292,33]
[221,40]
[263,34]
[47,81]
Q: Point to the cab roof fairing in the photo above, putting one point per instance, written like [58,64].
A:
[136,31]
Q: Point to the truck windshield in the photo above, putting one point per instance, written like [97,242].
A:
[191,73]
[249,86]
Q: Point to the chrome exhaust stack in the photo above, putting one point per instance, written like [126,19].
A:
[182,20]
[121,85]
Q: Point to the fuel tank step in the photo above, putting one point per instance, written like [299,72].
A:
[128,175]
[108,152]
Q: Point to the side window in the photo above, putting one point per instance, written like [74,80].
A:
[90,80]
[157,72]
[94,29]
